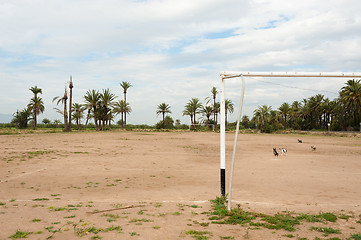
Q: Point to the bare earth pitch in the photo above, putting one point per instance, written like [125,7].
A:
[51,184]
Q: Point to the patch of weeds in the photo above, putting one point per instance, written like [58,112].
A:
[157,204]
[289,235]
[20,234]
[71,216]
[226,237]
[176,213]
[356,236]
[345,216]
[140,220]
[326,231]
[201,224]
[58,209]
[96,237]
[133,234]
[12,200]
[2,204]
[41,199]
[83,231]
[40,152]
[199,235]
[156,227]
[329,217]
[55,195]
[36,220]
[195,206]
[111,217]
[140,212]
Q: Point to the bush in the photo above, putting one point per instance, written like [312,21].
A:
[166,124]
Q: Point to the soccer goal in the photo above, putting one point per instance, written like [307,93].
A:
[227,75]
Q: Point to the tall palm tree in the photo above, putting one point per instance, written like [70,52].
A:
[37,106]
[350,95]
[207,112]
[63,100]
[192,108]
[121,108]
[125,85]
[214,96]
[92,98]
[35,90]
[284,110]
[78,113]
[229,107]
[262,115]
[163,109]
[70,102]
[106,101]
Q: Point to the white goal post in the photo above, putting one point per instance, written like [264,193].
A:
[242,75]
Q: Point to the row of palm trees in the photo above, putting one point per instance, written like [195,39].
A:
[101,106]
[195,107]
[315,112]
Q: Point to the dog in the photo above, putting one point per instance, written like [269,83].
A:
[275,152]
[299,140]
[313,148]
[283,150]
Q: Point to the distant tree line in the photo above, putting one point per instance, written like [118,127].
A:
[315,112]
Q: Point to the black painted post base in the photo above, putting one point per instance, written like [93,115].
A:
[223,182]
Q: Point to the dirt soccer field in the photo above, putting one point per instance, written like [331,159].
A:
[153,185]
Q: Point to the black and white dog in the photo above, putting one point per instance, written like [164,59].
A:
[275,152]
[283,150]
[299,140]
[313,148]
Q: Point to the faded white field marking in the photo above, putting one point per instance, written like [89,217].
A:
[21,175]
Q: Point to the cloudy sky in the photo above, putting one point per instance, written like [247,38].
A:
[172,51]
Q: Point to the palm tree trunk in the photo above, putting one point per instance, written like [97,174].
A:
[70,103]
[34,117]
[65,116]
[214,114]
[125,113]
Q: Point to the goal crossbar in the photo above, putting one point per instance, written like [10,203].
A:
[226,75]
[242,75]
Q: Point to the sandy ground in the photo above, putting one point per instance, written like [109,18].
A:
[52,183]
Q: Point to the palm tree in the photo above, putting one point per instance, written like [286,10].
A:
[229,107]
[214,95]
[121,108]
[37,106]
[63,100]
[245,121]
[125,86]
[163,109]
[70,102]
[22,118]
[92,98]
[192,108]
[207,112]
[35,91]
[262,115]
[106,102]
[56,122]
[284,110]
[350,95]
[78,113]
